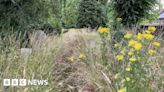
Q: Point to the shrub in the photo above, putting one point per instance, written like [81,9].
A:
[18,15]
[91,14]
[132,11]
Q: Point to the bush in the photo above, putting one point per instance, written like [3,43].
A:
[91,14]
[132,11]
[70,13]
[17,14]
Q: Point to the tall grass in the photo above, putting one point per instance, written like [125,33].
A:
[39,65]
[53,62]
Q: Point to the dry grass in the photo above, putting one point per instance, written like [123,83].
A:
[52,62]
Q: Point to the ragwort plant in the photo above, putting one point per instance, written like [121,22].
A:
[105,37]
[133,58]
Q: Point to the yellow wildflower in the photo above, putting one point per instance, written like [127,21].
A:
[103,30]
[151,52]
[120,57]
[137,46]
[130,53]
[148,36]
[81,56]
[132,42]
[139,36]
[151,29]
[122,90]
[127,79]
[132,59]
[72,58]
[147,31]
[156,44]
[128,69]
[128,35]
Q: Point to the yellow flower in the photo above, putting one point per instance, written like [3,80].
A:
[137,46]
[81,56]
[72,58]
[147,31]
[145,35]
[128,35]
[130,53]
[127,79]
[103,30]
[128,69]
[152,52]
[132,59]
[122,90]
[132,42]
[148,36]
[151,29]
[139,36]
[120,57]
[156,44]
[119,19]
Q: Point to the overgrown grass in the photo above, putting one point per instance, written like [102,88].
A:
[39,65]
[89,72]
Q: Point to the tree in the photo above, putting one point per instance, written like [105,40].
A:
[132,11]
[70,13]
[22,14]
[91,14]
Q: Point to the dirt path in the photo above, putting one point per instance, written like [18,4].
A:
[72,76]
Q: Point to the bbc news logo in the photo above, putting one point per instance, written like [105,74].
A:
[24,82]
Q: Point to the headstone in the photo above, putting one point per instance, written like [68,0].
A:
[38,39]
[25,52]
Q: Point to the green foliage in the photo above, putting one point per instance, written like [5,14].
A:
[22,14]
[54,24]
[91,14]
[132,11]
[104,2]
[70,13]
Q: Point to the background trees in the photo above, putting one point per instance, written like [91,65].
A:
[25,15]
[22,14]
[132,11]
[91,14]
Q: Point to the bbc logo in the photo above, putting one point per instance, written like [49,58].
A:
[24,82]
[14,82]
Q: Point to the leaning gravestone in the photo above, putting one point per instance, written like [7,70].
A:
[38,39]
[25,53]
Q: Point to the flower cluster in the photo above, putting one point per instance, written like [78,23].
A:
[103,30]
[81,56]
[132,52]
[139,47]
[136,42]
